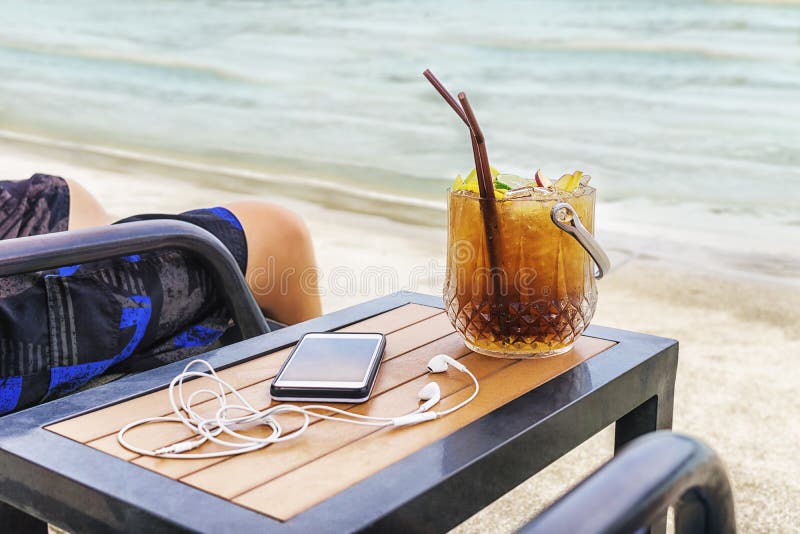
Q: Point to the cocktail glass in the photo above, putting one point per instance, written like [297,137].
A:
[540,294]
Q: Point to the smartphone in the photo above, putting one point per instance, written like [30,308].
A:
[330,367]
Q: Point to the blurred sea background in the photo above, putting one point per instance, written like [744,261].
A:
[686,113]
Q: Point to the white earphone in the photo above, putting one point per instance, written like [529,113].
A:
[430,394]
[221,425]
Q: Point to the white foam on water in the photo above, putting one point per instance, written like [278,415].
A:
[295,181]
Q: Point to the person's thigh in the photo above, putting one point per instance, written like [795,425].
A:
[281,268]
[84,210]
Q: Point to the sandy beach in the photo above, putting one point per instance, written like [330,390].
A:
[738,334]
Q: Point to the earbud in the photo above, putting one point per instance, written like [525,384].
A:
[439,363]
[431,394]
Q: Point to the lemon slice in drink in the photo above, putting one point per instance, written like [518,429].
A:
[569,182]
[470,183]
[463,185]
[473,174]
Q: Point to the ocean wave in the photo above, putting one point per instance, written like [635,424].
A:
[142,60]
[328,192]
[638,47]
[763,2]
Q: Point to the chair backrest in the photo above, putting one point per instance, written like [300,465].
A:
[634,489]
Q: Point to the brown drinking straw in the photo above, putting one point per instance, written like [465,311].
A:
[490,213]
[485,185]
[460,112]
[481,163]
[485,182]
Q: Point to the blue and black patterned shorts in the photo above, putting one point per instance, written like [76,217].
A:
[60,329]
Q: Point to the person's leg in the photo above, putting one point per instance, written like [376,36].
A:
[280,266]
[84,210]
[281,269]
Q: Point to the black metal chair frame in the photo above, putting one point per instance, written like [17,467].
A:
[650,474]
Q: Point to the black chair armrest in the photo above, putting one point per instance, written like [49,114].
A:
[50,251]
[658,470]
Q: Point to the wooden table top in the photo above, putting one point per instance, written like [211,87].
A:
[287,478]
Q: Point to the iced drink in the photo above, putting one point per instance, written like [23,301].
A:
[520,279]
[541,294]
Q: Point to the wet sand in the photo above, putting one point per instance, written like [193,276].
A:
[740,343]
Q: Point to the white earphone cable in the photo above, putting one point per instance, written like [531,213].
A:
[467,400]
[211,429]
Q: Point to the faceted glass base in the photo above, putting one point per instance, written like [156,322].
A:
[512,355]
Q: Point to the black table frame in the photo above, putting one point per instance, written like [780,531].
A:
[85,490]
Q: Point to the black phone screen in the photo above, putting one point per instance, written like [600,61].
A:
[332,358]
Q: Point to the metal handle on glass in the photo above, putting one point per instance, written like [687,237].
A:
[573,226]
